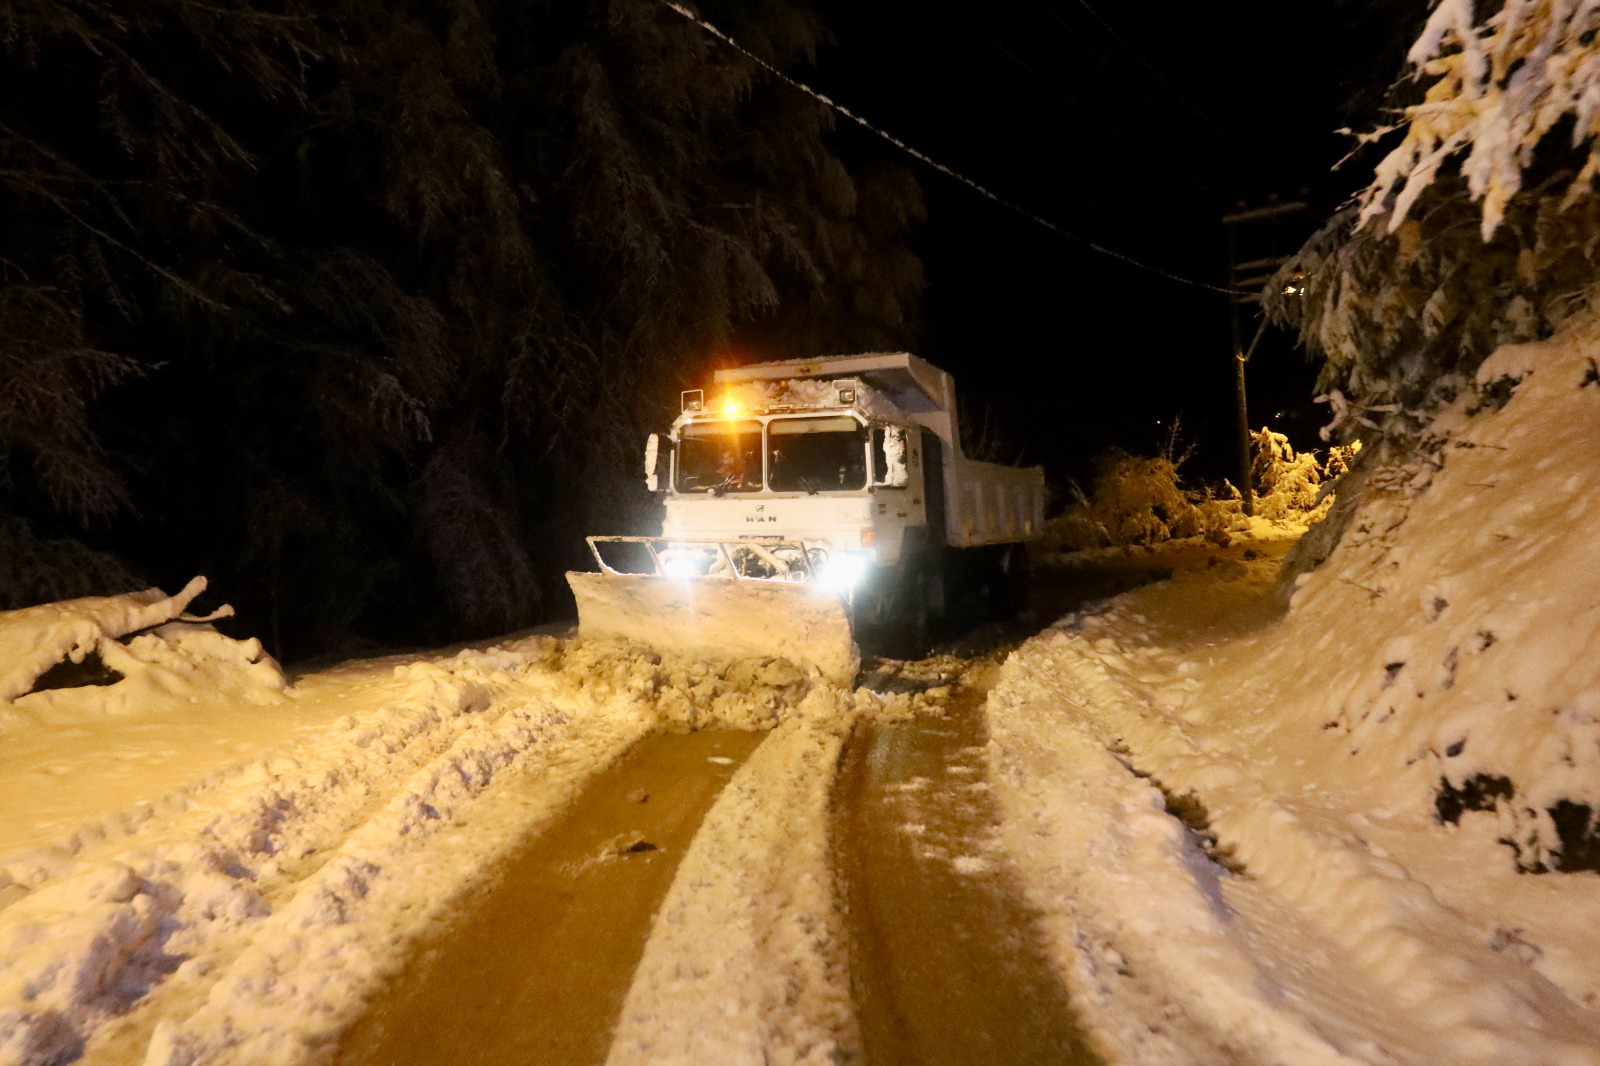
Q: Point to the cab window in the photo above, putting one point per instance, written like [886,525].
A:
[718,457]
[817,454]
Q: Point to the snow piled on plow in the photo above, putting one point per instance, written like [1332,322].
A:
[721,619]
[1362,831]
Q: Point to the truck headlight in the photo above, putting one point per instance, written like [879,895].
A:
[844,572]
[683,562]
[677,566]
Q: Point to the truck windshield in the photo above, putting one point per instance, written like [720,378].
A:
[720,457]
[817,454]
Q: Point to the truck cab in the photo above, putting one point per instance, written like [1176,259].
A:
[857,457]
[827,473]
[808,502]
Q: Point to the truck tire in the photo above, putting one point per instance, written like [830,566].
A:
[892,616]
[1012,592]
[909,635]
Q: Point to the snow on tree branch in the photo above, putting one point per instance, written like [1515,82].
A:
[1501,87]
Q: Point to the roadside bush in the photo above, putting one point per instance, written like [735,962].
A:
[1294,487]
[1142,500]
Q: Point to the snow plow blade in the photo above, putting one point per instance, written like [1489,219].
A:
[717,616]
[720,619]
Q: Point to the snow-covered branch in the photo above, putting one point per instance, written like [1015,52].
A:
[1500,86]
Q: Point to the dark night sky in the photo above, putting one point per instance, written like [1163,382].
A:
[1035,100]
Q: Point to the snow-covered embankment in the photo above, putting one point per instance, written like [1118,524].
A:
[1373,784]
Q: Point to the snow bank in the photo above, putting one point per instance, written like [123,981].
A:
[1317,832]
[173,664]
[1133,910]
[720,619]
[34,639]
[1457,626]
[252,905]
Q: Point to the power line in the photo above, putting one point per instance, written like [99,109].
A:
[934,163]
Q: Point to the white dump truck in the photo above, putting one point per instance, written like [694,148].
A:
[809,501]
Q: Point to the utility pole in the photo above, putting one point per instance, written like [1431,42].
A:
[1245,278]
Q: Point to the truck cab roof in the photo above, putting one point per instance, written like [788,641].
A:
[912,384]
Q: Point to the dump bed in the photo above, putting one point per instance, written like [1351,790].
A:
[986,503]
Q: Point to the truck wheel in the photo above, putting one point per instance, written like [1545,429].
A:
[1013,589]
[907,637]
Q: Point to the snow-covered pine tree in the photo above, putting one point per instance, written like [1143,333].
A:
[1502,79]
[1479,226]
[363,308]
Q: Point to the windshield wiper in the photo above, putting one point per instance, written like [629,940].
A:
[807,484]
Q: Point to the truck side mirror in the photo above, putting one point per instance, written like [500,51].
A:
[652,457]
[889,457]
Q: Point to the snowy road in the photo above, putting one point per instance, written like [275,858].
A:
[536,967]
[430,860]
[537,958]
[208,878]
[945,962]
[1220,826]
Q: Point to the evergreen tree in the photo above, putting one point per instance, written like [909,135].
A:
[363,308]
[1479,225]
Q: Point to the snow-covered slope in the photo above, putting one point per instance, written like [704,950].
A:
[1338,895]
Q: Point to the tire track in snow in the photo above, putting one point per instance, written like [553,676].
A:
[537,965]
[746,962]
[945,963]
[351,882]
